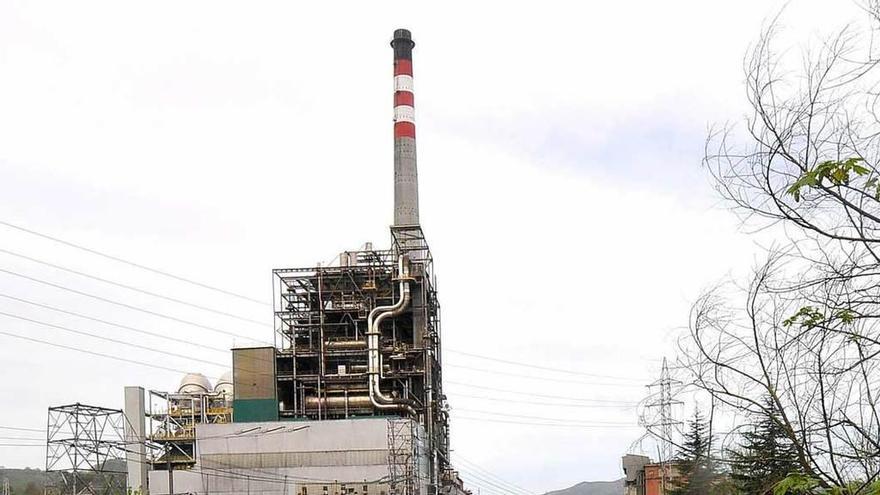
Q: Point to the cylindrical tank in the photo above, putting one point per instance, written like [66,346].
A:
[224,385]
[194,383]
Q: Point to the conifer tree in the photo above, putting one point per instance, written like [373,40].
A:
[697,471]
[765,456]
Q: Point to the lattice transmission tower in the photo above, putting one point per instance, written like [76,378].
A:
[86,446]
[663,425]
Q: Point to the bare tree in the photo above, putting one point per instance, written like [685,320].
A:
[747,344]
[813,139]
[805,331]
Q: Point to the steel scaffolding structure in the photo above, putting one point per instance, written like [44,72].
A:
[322,315]
[404,473]
[86,445]
[173,419]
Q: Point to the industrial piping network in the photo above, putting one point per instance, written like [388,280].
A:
[374,360]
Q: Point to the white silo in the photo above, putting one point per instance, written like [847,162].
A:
[194,383]
[224,386]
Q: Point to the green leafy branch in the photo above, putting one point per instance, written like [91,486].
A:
[796,484]
[837,173]
[810,317]
[799,484]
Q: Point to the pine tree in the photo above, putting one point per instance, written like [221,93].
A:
[697,471]
[765,456]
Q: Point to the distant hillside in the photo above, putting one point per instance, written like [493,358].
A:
[592,488]
[24,481]
[34,481]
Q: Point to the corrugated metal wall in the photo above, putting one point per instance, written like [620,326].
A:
[297,459]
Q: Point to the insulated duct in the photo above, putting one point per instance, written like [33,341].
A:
[374,358]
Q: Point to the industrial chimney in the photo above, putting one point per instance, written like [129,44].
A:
[406,177]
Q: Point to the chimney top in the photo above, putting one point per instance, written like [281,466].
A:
[402,44]
[402,34]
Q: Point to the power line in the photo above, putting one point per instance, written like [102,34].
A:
[472,481]
[21,429]
[201,360]
[480,489]
[530,423]
[132,263]
[545,368]
[93,353]
[128,306]
[495,485]
[101,337]
[487,485]
[531,394]
[172,338]
[167,353]
[131,287]
[531,377]
[549,404]
[544,418]
[154,334]
[488,473]
[117,325]
[108,339]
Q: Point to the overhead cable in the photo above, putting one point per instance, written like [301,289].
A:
[132,263]
[131,287]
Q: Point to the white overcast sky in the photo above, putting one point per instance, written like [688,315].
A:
[561,187]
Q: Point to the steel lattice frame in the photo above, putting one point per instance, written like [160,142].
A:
[404,475]
[86,445]
[666,424]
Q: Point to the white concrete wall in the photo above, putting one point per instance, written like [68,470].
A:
[335,457]
[283,458]
[313,454]
[184,482]
[135,438]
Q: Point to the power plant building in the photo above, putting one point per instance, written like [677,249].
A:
[350,398]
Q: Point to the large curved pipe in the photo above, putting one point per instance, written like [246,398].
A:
[374,358]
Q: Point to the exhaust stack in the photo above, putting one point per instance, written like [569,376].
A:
[406,177]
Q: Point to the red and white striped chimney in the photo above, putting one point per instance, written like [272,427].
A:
[406,177]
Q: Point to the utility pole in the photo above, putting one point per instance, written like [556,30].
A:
[170,468]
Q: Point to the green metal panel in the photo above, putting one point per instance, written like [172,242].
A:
[254,410]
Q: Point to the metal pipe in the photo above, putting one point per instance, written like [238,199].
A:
[339,402]
[345,344]
[374,357]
